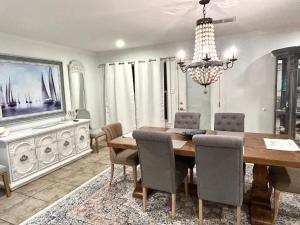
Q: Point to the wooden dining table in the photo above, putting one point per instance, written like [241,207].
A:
[255,152]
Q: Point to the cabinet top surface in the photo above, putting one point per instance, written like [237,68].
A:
[40,129]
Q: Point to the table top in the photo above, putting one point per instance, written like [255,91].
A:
[254,147]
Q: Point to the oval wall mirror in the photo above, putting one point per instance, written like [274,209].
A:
[77,85]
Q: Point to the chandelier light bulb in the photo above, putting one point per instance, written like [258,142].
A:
[181,54]
[233,51]
[227,55]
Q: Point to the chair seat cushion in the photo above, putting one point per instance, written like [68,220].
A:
[3,169]
[94,133]
[285,179]
[127,157]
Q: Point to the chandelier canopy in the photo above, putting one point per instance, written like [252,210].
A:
[206,67]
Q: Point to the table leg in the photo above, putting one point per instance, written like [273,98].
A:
[260,204]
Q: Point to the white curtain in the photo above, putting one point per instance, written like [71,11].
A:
[149,93]
[119,95]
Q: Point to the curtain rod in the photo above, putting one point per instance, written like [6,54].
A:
[140,61]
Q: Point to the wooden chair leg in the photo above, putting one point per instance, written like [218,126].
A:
[191,175]
[91,143]
[186,186]
[276,204]
[144,198]
[6,184]
[112,170]
[200,212]
[134,175]
[238,215]
[173,214]
[124,171]
[97,145]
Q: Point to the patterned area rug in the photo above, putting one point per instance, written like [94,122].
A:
[94,203]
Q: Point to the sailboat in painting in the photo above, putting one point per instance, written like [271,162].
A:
[10,101]
[2,99]
[51,98]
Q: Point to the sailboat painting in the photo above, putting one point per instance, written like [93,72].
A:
[30,88]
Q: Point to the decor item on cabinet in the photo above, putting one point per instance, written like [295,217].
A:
[71,115]
[30,88]
[30,153]
[95,134]
[77,84]
[206,67]
[287,91]
[4,175]
[3,132]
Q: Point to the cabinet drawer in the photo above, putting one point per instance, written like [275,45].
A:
[66,147]
[47,155]
[66,133]
[21,145]
[45,140]
[82,137]
[23,163]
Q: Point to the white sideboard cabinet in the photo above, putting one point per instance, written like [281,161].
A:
[34,152]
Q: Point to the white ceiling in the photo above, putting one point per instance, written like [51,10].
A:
[96,24]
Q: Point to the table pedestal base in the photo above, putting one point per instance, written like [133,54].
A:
[260,204]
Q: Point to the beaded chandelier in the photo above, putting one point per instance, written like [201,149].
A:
[206,67]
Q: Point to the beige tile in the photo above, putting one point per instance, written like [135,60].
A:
[76,178]
[54,192]
[14,199]
[57,175]
[84,167]
[34,187]
[23,210]
[2,222]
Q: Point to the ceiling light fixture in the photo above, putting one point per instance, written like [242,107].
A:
[206,67]
[120,43]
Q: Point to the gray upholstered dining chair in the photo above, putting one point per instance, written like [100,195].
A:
[188,120]
[125,157]
[233,122]
[219,167]
[159,168]
[95,134]
[4,174]
[283,179]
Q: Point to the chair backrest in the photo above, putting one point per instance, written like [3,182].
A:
[187,120]
[83,114]
[219,167]
[157,160]
[113,131]
[229,122]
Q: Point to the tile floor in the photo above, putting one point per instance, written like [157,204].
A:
[31,198]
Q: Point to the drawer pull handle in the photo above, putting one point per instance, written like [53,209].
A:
[48,150]
[81,138]
[66,143]
[23,158]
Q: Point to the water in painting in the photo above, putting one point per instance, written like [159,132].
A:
[27,88]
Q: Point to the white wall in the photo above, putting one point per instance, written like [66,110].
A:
[248,87]
[23,47]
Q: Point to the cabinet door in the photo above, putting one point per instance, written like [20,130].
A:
[66,147]
[282,101]
[23,158]
[45,139]
[82,137]
[47,155]
[64,134]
